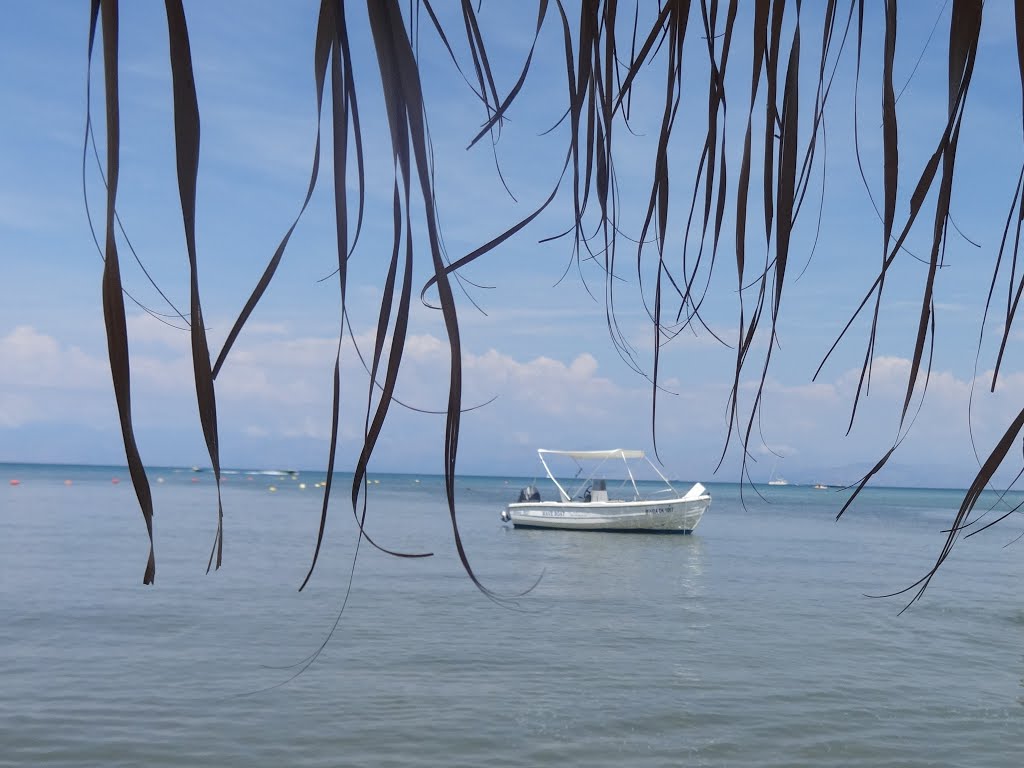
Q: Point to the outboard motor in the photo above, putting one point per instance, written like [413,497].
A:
[528,494]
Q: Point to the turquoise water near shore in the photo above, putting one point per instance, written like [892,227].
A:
[749,643]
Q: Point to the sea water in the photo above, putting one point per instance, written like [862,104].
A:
[749,643]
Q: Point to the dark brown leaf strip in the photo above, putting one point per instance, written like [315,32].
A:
[481,64]
[343,108]
[824,89]
[784,195]
[186,135]
[918,196]
[391,67]
[820,98]
[451,53]
[113,298]
[675,24]
[768,21]
[373,428]
[502,107]
[406,116]
[1012,299]
[1012,303]
[707,167]
[965,28]
[771,119]
[638,59]
[759,37]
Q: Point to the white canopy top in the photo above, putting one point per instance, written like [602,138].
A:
[614,453]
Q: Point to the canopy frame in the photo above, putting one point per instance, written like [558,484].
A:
[603,456]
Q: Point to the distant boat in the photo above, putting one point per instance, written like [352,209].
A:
[589,508]
[774,479]
[820,487]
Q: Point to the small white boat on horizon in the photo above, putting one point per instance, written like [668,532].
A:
[775,479]
[591,509]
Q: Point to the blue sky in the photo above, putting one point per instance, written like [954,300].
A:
[542,348]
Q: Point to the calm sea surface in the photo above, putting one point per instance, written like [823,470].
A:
[748,643]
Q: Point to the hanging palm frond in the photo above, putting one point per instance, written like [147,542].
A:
[607,53]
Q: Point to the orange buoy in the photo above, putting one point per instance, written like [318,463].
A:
[15,482]
[115,480]
[195,479]
[67,482]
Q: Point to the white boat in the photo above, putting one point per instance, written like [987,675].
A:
[775,479]
[590,508]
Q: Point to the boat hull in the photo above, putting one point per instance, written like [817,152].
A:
[664,516]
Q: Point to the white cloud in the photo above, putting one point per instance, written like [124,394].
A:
[276,387]
[42,380]
[425,347]
[543,384]
[811,420]
[32,360]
